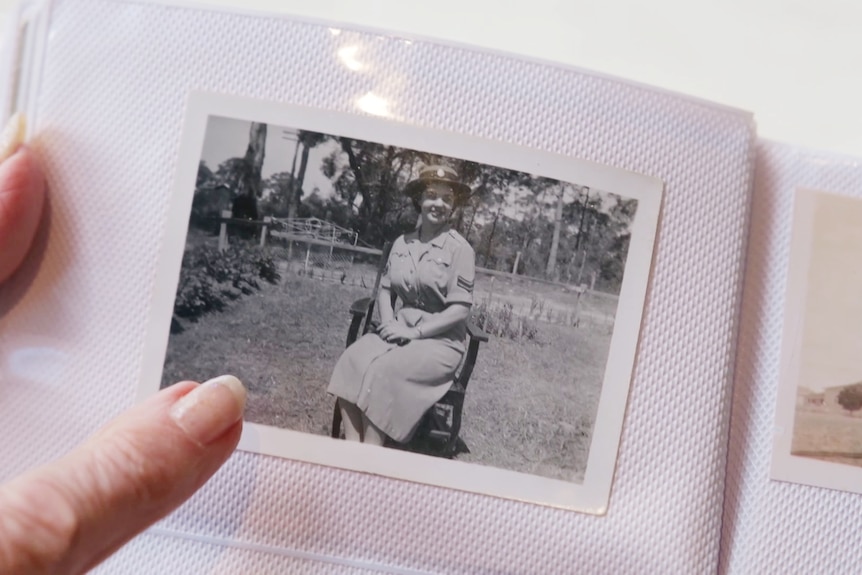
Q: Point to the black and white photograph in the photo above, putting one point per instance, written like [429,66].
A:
[378,288]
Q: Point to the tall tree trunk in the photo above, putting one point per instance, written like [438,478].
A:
[292,206]
[477,192]
[515,265]
[470,228]
[586,192]
[385,188]
[355,167]
[245,205]
[581,269]
[254,157]
[491,236]
[296,187]
[555,240]
[586,225]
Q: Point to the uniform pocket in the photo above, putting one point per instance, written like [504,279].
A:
[399,266]
[440,269]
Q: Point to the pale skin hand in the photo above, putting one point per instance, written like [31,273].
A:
[432,324]
[392,330]
[22,194]
[67,516]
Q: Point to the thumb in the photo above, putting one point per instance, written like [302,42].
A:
[68,516]
[22,194]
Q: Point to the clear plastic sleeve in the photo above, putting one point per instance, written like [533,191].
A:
[108,98]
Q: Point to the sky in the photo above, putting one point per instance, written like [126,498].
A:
[228,138]
[831,352]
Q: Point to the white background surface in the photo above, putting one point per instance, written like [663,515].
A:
[797,64]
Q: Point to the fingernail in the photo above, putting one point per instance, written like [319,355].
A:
[210,409]
[12,136]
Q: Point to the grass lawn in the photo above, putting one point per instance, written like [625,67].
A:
[834,437]
[530,405]
[553,303]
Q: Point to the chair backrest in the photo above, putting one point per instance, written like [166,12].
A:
[381,267]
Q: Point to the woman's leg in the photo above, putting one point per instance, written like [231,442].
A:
[371,434]
[352,419]
[406,382]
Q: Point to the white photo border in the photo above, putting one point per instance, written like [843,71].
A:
[592,495]
[784,465]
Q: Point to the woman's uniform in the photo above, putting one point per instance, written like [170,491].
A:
[394,385]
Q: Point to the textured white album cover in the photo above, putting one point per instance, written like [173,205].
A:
[798,309]
[75,323]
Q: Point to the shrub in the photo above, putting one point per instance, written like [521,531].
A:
[209,278]
[850,398]
[537,306]
[266,267]
[500,321]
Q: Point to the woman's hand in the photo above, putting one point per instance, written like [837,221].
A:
[69,515]
[22,194]
[396,332]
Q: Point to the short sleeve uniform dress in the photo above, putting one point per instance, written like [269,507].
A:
[394,385]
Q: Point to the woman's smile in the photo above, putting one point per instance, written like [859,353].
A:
[438,212]
[437,203]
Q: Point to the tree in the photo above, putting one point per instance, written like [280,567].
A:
[589,207]
[205,176]
[370,178]
[551,269]
[490,243]
[230,174]
[307,140]
[850,398]
[210,198]
[277,191]
[249,184]
[616,244]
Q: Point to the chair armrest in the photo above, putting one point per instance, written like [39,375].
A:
[469,362]
[360,306]
[475,332]
[359,310]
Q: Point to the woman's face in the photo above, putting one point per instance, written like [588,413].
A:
[437,204]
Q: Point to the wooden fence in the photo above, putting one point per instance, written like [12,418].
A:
[340,254]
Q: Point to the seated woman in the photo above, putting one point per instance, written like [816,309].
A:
[386,381]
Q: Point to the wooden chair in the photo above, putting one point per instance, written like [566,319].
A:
[441,424]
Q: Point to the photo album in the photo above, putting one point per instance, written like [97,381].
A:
[493,315]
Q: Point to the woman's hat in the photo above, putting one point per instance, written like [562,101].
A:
[437,175]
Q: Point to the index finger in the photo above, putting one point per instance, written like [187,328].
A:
[69,515]
[22,194]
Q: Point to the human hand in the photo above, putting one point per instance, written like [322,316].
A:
[69,515]
[22,194]
[397,332]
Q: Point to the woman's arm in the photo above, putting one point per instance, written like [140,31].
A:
[384,305]
[435,324]
[384,292]
[432,324]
